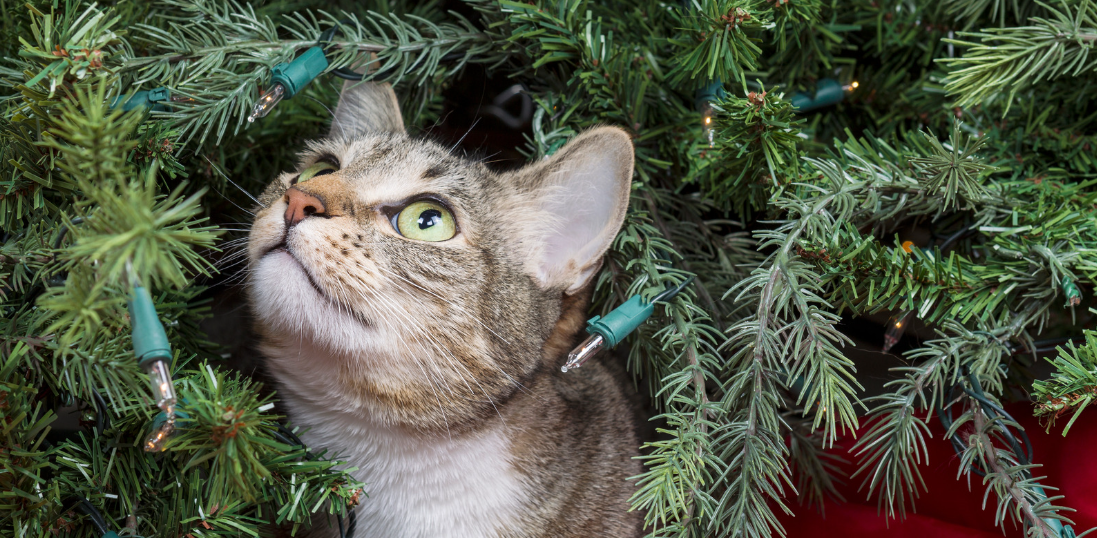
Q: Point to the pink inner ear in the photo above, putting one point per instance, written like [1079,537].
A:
[584,198]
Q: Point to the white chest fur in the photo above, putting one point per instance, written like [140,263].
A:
[436,488]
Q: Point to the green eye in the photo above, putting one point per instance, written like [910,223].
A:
[318,169]
[425,221]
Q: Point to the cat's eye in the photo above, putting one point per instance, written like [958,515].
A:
[318,169]
[425,220]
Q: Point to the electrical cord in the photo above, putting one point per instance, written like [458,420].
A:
[37,289]
[672,291]
[325,42]
[962,233]
[94,516]
[65,230]
[102,418]
[1043,346]
[994,411]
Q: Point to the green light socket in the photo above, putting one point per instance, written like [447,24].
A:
[150,342]
[712,92]
[294,76]
[162,417]
[827,92]
[150,99]
[621,321]
[1074,295]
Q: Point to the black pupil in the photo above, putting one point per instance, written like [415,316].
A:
[429,218]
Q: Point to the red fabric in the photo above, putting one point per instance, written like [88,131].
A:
[949,509]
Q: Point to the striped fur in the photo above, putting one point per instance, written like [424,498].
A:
[435,367]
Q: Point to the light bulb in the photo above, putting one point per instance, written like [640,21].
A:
[589,348]
[267,101]
[707,112]
[155,442]
[896,330]
[162,391]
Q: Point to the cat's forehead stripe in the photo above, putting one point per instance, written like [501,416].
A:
[386,168]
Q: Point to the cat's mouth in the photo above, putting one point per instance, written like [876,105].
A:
[283,247]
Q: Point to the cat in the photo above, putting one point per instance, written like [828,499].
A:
[414,308]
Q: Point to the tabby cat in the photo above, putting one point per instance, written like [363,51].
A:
[415,308]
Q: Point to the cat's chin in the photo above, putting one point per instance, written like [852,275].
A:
[282,254]
[287,297]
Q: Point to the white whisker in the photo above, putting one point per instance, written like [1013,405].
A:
[462,139]
[496,366]
[226,176]
[449,302]
[417,362]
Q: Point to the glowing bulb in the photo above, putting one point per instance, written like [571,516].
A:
[267,101]
[155,442]
[855,84]
[162,391]
[895,332]
[589,348]
[708,120]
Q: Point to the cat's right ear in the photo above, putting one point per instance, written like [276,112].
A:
[570,206]
[366,107]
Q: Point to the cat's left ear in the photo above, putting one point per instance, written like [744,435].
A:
[579,198]
[366,107]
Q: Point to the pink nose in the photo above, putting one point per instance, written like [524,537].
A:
[300,205]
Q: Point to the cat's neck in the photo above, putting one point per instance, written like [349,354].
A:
[364,386]
[442,484]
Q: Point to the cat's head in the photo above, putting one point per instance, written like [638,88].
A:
[405,281]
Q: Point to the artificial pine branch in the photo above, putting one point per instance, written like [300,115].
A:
[816,471]
[1072,387]
[1010,249]
[717,41]
[952,173]
[1020,497]
[216,55]
[997,12]
[891,451]
[761,142]
[1012,59]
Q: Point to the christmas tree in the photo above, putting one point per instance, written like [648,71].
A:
[805,162]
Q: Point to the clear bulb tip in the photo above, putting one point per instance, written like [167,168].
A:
[589,348]
[266,102]
[155,442]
